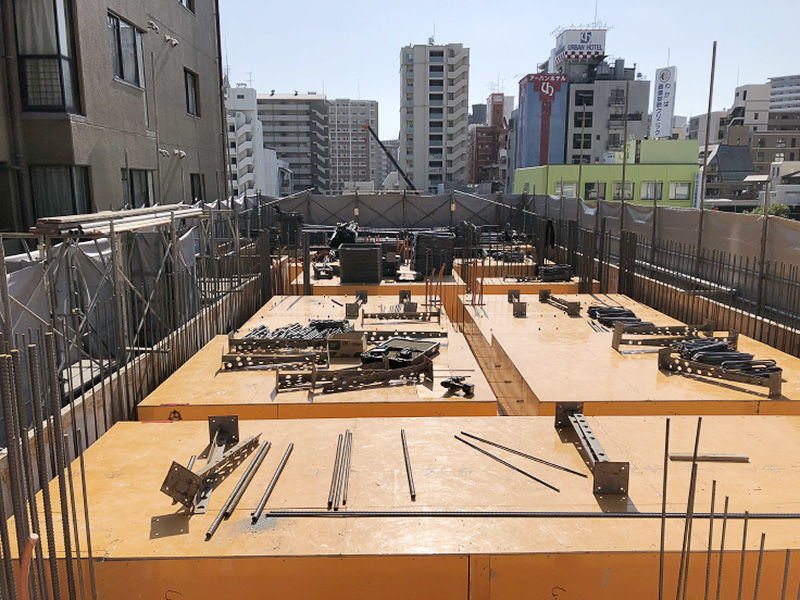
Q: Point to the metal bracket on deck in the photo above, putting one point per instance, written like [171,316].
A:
[351,308]
[235,362]
[520,310]
[650,335]
[348,379]
[609,477]
[670,360]
[256,345]
[513,296]
[404,296]
[573,309]
[376,337]
[424,315]
[194,489]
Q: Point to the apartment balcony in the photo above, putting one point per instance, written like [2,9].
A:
[436,129]
[244,148]
[459,71]
[436,59]
[436,102]
[616,101]
[435,170]
[435,88]
[616,123]
[435,143]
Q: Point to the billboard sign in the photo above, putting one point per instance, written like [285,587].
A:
[579,44]
[663,102]
[542,120]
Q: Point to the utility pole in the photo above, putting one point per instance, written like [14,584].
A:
[624,155]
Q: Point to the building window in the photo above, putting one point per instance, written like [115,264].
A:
[46,49]
[566,190]
[137,188]
[584,98]
[59,191]
[233,145]
[755,116]
[587,141]
[679,190]
[578,159]
[232,129]
[126,50]
[628,191]
[197,184]
[651,190]
[192,95]
[779,157]
[780,143]
[595,191]
[761,143]
[579,119]
[188,4]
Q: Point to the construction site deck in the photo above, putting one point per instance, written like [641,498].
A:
[202,388]
[476,528]
[547,357]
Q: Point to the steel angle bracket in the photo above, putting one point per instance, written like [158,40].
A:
[255,345]
[513,296]
[351,308]
[520,310]
[404,296]
[348,379]
[426,315]
[186,487]
[668,360]
[649,335]
[378,336]
[608,477]
[573,309]
[234,362]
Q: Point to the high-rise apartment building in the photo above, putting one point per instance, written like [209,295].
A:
[434,115]
[386,166]
[296,126]
[354,153]
[784,94]
[108,105]
[252,167]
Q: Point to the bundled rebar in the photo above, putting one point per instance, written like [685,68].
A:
[317,329]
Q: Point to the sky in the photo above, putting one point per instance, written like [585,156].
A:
[351,48]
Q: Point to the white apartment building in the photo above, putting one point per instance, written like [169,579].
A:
[434,115]
[784,94]
[247,160]
[697,127]
[354,153]
[751,107]
[296,127]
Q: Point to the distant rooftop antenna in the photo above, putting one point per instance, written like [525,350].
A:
[431,39]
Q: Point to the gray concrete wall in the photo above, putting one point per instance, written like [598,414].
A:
[113,132]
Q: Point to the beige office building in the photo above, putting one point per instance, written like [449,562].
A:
[434,115]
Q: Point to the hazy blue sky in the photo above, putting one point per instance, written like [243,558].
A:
[351,48]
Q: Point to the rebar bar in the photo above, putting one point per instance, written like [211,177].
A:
[412,490]
[335,472]
[525,455]
[507,464]
[273,482]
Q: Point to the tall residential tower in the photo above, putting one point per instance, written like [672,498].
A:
[434,115]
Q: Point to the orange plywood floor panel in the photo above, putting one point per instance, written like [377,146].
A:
[144,545]
[200,388]
[551,357]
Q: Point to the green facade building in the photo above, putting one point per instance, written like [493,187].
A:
[657,171]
